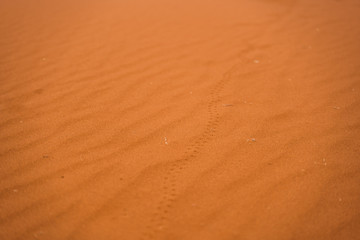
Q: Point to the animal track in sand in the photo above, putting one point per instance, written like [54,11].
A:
[170,181]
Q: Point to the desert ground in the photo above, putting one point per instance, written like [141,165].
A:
[179,120]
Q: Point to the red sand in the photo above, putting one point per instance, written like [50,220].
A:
[227,120]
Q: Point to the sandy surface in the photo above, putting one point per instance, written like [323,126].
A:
[223,119]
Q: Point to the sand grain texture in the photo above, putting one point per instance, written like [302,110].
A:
[179,119]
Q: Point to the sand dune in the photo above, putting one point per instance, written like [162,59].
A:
[179,120]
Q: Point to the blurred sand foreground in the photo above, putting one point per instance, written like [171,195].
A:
[165,119]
